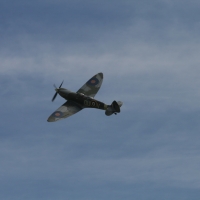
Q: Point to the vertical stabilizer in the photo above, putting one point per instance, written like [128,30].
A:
[113,108]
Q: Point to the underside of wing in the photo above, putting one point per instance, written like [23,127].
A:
[66,110]
[92,86]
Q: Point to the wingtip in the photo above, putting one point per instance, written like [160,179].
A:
[51,119]
[101,74]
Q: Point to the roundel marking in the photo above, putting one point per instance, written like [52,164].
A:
[58,114]
[93,81]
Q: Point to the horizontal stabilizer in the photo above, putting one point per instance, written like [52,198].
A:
[113,108]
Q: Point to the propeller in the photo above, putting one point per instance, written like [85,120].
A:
[55,95]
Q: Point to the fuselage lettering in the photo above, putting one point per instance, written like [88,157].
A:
[89,103]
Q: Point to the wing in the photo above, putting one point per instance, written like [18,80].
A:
[92,86]
[66,110]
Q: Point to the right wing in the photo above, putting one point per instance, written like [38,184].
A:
[66,110]
[92,86]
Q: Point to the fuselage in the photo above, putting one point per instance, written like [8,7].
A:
[81,99]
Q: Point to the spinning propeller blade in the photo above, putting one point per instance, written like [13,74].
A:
[55,95]
[61,84]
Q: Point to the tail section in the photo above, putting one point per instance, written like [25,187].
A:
[113,108]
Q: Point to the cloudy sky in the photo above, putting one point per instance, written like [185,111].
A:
[149,54]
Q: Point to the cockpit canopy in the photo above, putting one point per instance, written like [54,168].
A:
[84,96]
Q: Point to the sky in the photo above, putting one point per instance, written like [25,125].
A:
[148,52]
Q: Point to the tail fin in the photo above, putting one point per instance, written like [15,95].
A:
[113,108]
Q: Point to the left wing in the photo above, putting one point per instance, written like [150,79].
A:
[92,86]
[66,110]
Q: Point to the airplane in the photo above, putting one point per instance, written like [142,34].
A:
[83,98]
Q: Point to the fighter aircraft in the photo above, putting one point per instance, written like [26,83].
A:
[83,98]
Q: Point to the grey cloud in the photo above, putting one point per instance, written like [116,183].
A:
[90,21]
[149,54]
